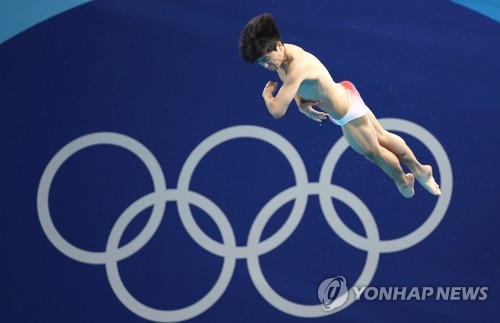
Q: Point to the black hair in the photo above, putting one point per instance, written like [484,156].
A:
[260,36]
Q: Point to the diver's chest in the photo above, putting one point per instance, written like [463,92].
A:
[308,90]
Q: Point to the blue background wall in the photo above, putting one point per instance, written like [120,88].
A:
[168,74]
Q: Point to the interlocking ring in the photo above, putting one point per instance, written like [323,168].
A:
[228,248]
[101,138]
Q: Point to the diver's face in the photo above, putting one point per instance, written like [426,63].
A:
[272,60]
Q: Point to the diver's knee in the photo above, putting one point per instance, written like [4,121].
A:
[370,157]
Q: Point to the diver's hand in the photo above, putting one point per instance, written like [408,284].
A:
[269,89]
[306,107]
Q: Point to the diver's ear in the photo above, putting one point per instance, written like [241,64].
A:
[279,46]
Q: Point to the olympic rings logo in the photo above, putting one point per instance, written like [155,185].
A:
[254,247]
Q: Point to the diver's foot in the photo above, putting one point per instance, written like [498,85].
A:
[406,188]
[427,181]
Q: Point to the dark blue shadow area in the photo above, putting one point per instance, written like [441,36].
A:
[168,75]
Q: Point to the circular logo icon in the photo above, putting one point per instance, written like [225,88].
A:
[332,293]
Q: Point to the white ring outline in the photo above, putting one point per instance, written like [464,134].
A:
[310,311]
[235,132]
[98,138]
[411,239]
[206,301]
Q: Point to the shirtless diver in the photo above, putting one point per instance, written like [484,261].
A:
[307,81]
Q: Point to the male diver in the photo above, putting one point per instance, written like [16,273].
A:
[307,81]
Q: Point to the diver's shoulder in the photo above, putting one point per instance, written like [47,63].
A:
[296,49]
[299,51]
